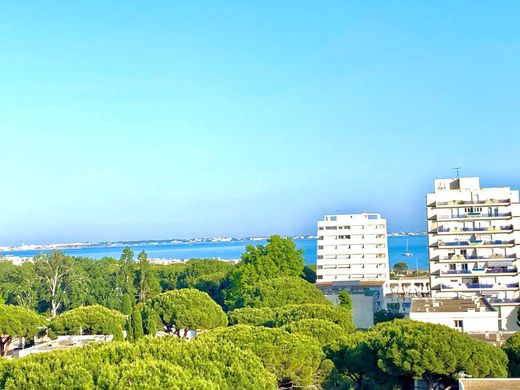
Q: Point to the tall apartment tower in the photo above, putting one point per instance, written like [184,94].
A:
[353,252]
[474,244]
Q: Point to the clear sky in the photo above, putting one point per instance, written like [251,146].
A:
[161,119]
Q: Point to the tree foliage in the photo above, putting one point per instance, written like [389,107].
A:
[17,322]
[149,363]
[293,359]
[324,331]
[512,349]
[278,258]
[400,267]
[438,354]
[281,292]
[56,274]
[281,316]
[344,300]
[86,320]
[185,309]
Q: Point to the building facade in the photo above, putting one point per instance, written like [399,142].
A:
[474,244]
[352,256]
[352,248]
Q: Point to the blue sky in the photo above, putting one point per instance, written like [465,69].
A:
[137,120]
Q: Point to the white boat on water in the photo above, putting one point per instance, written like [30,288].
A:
[407,253]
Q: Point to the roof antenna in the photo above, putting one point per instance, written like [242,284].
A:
[457,171]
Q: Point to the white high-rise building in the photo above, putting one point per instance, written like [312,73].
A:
[474,244]
[352,249]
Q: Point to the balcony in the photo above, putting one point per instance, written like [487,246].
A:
[470,217]
[479,286]
[473,243]
[480,271]
[504,301]
[470,203]
[489,230]
[462,259]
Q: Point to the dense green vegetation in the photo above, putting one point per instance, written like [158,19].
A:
[87,320]
[261,324]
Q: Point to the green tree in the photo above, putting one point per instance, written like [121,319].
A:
[129,330]
[261,262]
[309,273]
[206,275]
[137,323]
[94,319]
[126,277]
[56,274]
[163,362]
[127,304]
[252,316]
[323,330]
[408,349]
[19,285]
[147,282]
[386,315]
[182,310]
[294,359]
[400,267]
[15,322]
[355,360]
[150,321]
[344,300]
[512,349]
[281,292]
[280,316]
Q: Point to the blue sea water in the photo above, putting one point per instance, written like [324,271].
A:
[418,245]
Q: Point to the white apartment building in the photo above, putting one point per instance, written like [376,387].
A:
[474,244]
[352,248]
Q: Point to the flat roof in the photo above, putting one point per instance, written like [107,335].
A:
[446,305]
[489,383]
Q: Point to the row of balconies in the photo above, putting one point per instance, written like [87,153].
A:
[473,243]
[473,230]
[468,258]
[479,286]
[470,203]
[510,271]
[471,216]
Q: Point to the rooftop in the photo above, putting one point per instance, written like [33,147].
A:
[489,383]
[432,305]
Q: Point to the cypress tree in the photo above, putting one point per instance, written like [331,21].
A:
[137,323]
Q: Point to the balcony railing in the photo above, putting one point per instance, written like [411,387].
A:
[479,271]
[465,203]
[501,270]
[475,215]
[474,243]
[503,300]
[478,285]
[501,229]
[470,258]
[512,285]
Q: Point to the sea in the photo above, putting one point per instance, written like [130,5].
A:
[417,245]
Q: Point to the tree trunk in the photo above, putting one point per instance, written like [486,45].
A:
[4,344]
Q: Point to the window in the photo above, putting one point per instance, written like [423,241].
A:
[452,267]
[320,228]
[458,324]
[320,247]
[320,276]
[331,227]
[464,267]
[344,237]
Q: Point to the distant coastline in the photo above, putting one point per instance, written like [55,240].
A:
[83,245]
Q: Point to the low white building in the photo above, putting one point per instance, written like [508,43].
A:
[470,315]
